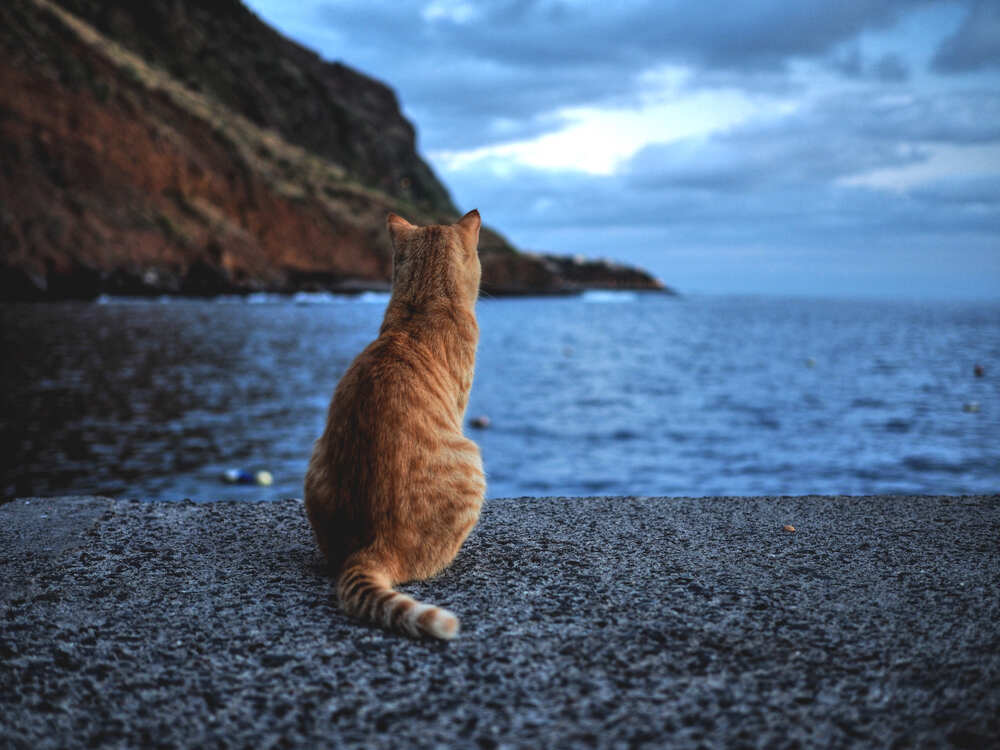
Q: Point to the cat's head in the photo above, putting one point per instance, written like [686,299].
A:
[440,261]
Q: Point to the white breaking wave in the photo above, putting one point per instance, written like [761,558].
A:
[315,298]
[257,298]
[264,298]
[606,295]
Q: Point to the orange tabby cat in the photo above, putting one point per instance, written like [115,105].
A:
[393,487]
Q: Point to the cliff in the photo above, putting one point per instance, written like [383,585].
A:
[185,147]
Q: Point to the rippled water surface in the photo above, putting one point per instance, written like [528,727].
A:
[604,394]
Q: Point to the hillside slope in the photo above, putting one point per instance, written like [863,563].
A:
[223,50]
[192,149]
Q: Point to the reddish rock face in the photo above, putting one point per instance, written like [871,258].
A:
[222,50]
[118,177]
[104,172]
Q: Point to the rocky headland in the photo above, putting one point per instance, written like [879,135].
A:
[182,147]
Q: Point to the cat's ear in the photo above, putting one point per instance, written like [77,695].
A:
[469,226]
[397,225]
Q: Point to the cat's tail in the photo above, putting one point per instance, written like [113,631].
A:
[366,593]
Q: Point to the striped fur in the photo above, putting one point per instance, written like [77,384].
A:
[368,596]
[394,487]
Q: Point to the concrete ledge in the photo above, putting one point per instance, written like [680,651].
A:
[586,622]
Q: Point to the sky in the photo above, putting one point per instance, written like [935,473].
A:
[801,147]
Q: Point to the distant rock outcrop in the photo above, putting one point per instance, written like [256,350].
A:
[183,146]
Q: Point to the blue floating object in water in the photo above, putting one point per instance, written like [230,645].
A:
[242,476]
[237,476]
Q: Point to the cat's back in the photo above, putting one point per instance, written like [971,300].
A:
[396,387]
[397,360]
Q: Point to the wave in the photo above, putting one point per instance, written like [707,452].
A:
[255,298]
[605,295]
[263,298]
[111,299]
[315,298]
[329,298]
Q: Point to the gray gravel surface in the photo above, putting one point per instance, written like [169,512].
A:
[605,622]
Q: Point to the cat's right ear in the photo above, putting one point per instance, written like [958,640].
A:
[469,225]
[397,225]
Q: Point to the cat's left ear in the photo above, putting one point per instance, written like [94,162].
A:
[469,226]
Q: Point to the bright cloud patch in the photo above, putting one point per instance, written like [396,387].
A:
[598,141]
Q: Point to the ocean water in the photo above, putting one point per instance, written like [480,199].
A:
[608,393]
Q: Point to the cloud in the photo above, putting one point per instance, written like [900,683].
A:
[971,202]
[713,33]
[473,74]
[849,63]
[450,130]
[964,116]
[780,153]
[891,68]
[976,43]
[772,194]
[834,138]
